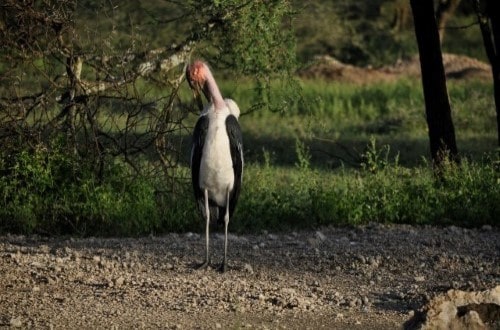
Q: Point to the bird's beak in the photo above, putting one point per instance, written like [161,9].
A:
[197,96]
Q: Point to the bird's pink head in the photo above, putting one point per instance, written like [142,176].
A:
[197,74]
[200,79]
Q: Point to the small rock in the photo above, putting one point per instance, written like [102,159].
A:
[290,291]
[119,281]
[218,326]
[37,264]
[419,278]
[486,228]
[272,237]
[248,268]
[320,236]
[16,322]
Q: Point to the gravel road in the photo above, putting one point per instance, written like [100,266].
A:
[374,276]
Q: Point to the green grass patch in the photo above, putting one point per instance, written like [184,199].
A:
[382,191]
[339,155]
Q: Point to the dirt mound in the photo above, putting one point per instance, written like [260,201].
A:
[456,67]
[460,310]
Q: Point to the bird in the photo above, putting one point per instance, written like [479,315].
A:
[216,154]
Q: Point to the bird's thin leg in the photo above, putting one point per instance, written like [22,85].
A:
[226,223]
[207,213]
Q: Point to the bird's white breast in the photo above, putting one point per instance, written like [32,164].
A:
[216,168]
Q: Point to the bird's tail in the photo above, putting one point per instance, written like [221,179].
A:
[217,215]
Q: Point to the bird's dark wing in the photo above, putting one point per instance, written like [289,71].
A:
[199,135]
[236,147]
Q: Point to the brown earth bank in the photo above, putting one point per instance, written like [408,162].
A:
[456,67]
[369,277]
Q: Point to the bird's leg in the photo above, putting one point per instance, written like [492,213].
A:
[207,214]
[226,223]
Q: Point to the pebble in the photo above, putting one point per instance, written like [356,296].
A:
[16,322]
[419,278]
[37,264]
[486,228]
[320,236]
[248,268]
[119,281]
[272,237]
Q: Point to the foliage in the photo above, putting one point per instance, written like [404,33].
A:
[104,150]
[103,100]
[374,32]
[275,199]
[47,191]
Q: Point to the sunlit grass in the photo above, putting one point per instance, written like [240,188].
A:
[340,154]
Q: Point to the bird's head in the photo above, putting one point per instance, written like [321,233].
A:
[196,75]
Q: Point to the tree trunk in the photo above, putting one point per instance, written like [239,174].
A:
[491,41]
[493,10]
[437,105]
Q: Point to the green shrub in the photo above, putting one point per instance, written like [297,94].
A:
[46,190]
[382,191]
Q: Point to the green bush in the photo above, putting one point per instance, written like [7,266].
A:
[382,191]
[46,190]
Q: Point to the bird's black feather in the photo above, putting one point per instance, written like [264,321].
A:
[236,147]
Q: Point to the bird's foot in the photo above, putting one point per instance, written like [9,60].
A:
[204,265]
[223,267]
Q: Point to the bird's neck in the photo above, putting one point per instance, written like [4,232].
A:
[214,92]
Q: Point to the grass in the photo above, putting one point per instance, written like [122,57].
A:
[337,121]
[299,198]
[338,155]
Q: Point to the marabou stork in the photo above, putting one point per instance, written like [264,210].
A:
[216,154]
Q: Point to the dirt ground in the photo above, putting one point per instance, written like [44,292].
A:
[457,67]
[371,277]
